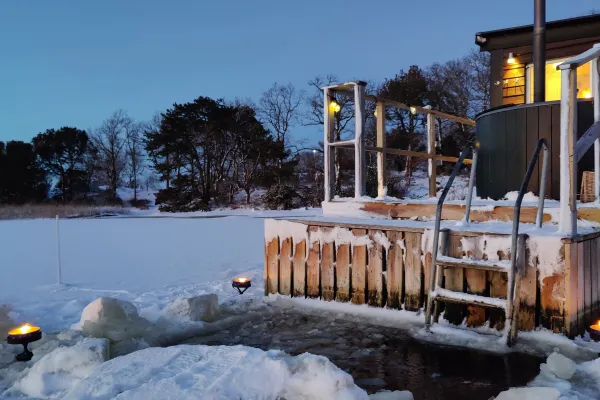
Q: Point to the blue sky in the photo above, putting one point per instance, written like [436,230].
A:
[75,62]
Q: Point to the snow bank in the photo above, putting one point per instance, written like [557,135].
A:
[62,369]
[533,393]
[217,372]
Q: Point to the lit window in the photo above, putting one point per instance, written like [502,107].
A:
[553,78]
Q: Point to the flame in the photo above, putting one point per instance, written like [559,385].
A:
[596,326]
[24,329]
[241,280]
[587,94]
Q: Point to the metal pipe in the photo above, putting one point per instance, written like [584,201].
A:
[540,213]
[539,51]
[471,184]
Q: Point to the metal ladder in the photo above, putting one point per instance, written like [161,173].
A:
[515,268]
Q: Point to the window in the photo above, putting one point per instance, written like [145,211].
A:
[553,77]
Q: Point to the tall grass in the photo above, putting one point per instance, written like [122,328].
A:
[29,211]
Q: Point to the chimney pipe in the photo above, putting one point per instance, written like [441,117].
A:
[539,51]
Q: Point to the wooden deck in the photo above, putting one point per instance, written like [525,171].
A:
[387,265]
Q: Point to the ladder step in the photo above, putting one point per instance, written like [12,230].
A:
[470,299]
[452,262]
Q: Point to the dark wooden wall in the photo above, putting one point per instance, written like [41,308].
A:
[508,138]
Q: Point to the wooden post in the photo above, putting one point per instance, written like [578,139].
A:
[299,268]
[328,151]
[381,167]
[327,267]
[596,91]
[395,267]
[359,269]
[285,266]
[568,166]
[360,167]
[571,288]
[413,271]
[431,164]
[342,273]
[313,279]
[374,272]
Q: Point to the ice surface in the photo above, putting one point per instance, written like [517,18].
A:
[61,369]
[200,308]
[530,393]
[389,395]
[217,372]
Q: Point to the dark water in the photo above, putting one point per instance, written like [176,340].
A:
[384,358]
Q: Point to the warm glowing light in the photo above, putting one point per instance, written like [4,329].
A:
[24,329]
[241,280]
[413,110]
[587,94]
[334,106]
[596,326]
[375,113]
[511,59]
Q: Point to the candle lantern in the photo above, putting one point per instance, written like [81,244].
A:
[24,335]
[241,284]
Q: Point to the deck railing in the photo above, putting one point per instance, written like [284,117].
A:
[359,145]
[571,149]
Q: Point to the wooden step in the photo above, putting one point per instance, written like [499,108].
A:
[470,299]
[451,262]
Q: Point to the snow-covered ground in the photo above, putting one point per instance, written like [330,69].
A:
[151,262]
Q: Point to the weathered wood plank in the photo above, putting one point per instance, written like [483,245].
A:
[342,272]
[587,271]
[374,271]
[595,288]
[476,284]
[527,295]
[395,269]
[272,282]
[580,288]
[498,283]
[299,269]
[413,271]
[285,266]
[571,288]
[359,269]
[327,268]
[312,264]
[454,280]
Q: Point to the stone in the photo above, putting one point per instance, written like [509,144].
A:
[200,308]
[113,319]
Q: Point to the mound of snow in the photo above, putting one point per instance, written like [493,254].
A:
[6,324]
[530,393]
[217,372]
[61,369]
[113,319]
[200,308]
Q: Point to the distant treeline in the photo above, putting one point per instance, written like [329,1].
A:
[212,152]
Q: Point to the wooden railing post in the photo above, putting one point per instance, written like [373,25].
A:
[568,164]
[360,187]
[381,142]
[431,162]
[328,151]
[596,92]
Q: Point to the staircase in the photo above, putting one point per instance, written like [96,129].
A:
[513,268]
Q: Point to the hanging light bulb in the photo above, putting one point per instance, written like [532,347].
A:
[413,110]
[511,59]
[334,106]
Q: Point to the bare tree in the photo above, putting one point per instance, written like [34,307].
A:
[135,154]
[278,109]
[110,142]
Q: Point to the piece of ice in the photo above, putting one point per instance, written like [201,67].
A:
[529,393]
[561,366]
[200,308]
[389,395]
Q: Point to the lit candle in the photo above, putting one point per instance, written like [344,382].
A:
[24,335]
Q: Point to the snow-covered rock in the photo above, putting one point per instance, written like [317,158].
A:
[200,308]
[61,369]
[217,372]
[560,366]
[530,393]
[6,323]
[113,319]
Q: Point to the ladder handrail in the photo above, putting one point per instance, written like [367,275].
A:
[438,218]
[517,214]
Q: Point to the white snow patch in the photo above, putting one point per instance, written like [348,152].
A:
[529,393]
[547,250]
[217,372]
[282,229]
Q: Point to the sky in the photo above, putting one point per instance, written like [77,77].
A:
[73,63]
